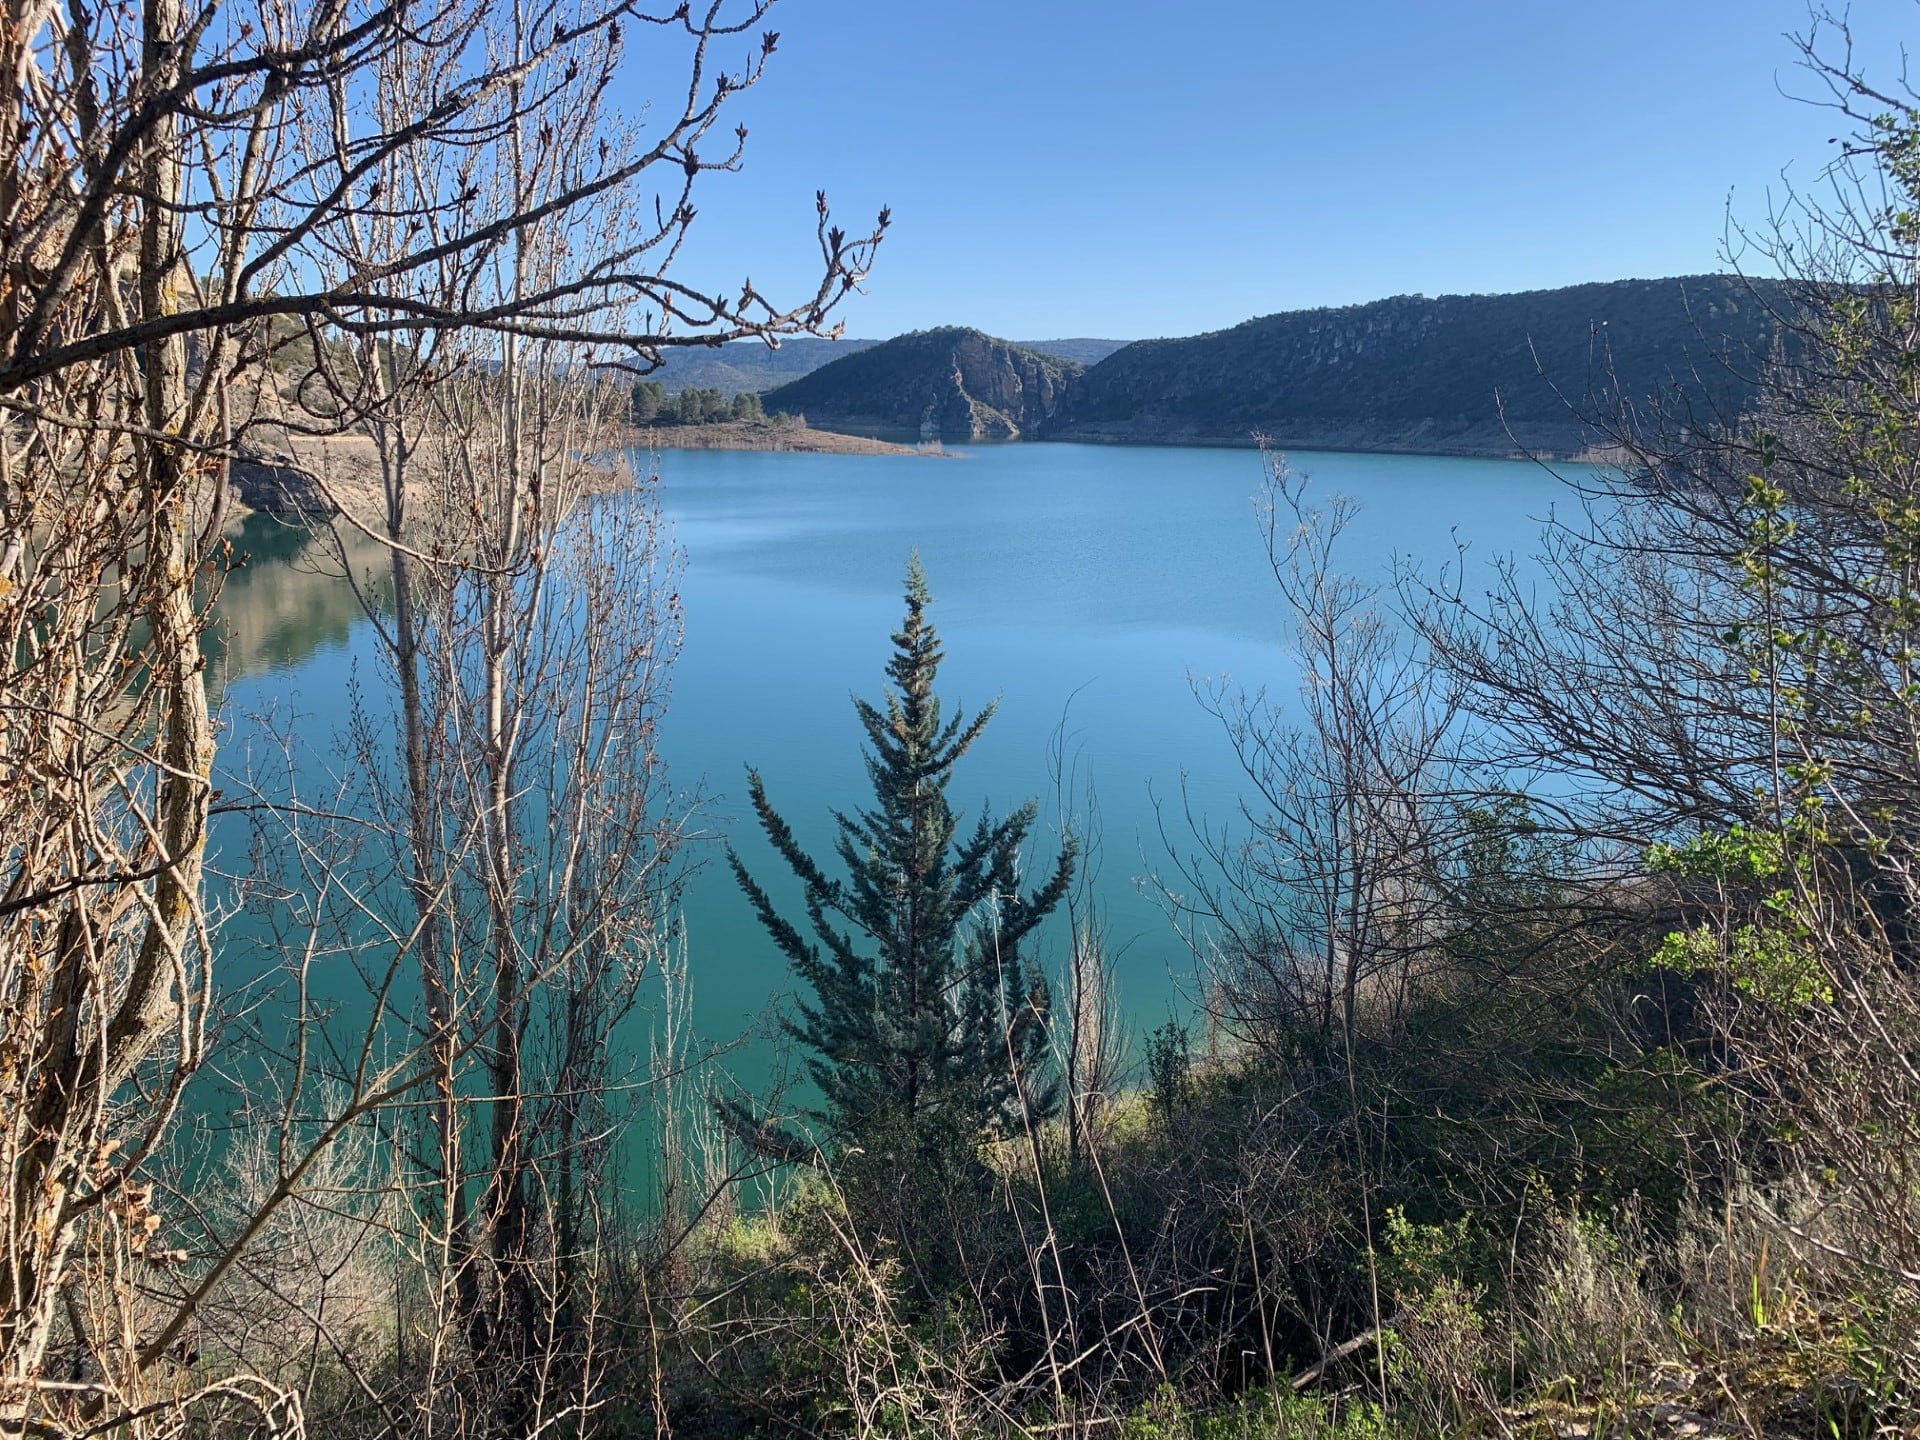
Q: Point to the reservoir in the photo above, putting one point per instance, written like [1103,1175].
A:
[1094,594]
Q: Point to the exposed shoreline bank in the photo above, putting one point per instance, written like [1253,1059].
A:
[769,435]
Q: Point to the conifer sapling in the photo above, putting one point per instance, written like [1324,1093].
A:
[924,1028]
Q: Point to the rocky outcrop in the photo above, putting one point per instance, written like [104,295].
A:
[276,484]
[951,385]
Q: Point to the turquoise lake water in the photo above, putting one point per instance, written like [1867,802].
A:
[1086,589]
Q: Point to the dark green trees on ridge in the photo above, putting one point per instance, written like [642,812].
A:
[925,1031]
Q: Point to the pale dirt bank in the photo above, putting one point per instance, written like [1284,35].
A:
[794,436]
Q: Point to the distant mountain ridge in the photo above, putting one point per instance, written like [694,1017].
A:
[749,365]
[953,384]
[1083,351]
[1453,374]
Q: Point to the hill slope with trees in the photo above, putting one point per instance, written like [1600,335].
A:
[1466,374]
[1456,374]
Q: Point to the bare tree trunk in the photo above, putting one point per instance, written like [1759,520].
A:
[189,202]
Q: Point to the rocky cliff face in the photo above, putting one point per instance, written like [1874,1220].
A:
[276,484]
[952,385]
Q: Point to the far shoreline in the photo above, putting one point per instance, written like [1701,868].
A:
[861,437]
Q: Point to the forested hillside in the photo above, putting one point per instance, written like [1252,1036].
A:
[1458,374]
[1468,374]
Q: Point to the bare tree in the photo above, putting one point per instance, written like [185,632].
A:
[1326,895]
[185,194]
[1089,1035]
[548,855]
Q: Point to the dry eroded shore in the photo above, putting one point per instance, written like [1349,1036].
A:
[766,435]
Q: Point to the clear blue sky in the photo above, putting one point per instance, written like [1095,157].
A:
[1126,169]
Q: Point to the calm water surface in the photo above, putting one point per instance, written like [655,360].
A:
[1084,589]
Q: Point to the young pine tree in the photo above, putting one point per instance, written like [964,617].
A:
[925,1032]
